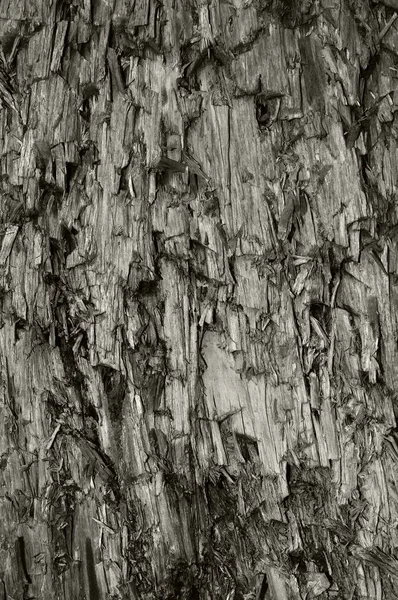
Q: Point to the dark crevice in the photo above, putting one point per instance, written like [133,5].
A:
[147,288]
[115,387]
[264,588]
[92,577]
[248,447]
[71,170]
[20,551]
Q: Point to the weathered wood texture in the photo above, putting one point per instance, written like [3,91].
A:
[199,292]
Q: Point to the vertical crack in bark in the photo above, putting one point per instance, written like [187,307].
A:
[20,553]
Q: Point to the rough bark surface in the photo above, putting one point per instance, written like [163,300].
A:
[199,292]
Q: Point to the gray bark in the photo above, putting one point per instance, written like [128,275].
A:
[198,262]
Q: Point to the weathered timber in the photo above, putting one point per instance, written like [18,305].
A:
[199,299]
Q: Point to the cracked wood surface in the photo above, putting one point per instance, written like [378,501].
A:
[199,293]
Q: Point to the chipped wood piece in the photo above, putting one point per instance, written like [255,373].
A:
[53,436]
[114,67]
[388,26]
[194,167]
[7,243]
[104,526]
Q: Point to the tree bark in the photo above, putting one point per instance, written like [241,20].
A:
[199,292]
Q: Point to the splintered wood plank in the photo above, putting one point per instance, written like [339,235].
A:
[199,292]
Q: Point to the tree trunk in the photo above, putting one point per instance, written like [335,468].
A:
[199,291]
